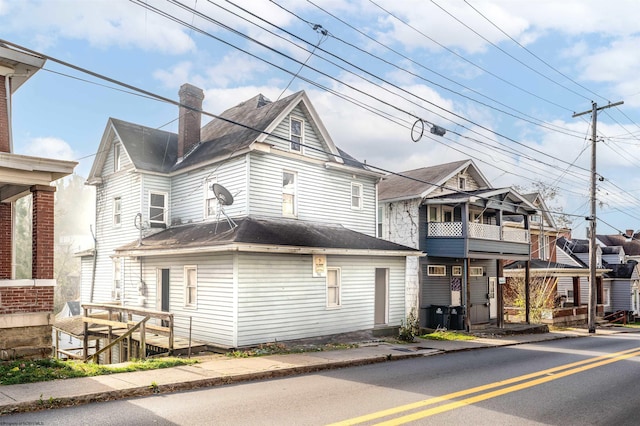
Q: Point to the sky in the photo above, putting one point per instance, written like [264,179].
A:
[504,79]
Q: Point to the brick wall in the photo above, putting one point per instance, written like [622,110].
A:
[6,256]
[5,145]
[42,265]
[26,299]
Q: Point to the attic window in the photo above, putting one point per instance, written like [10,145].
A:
[295,135]
[117,158]
[462,183]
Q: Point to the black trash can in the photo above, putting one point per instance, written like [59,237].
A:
[456,318]
[440,316]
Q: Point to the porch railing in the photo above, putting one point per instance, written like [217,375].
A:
[478,230]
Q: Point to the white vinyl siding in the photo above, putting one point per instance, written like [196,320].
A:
[116,289]
[323,194]
[311,139]
[214,318]
[187,188]
[277,294]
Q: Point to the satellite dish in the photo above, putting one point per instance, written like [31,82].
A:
[222,194]
[224,198]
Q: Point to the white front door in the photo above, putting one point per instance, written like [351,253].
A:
[493,304]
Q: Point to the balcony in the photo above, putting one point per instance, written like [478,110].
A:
[448,239]
[477,230]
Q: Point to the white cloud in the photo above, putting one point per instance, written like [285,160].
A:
[101,23]
[49,147]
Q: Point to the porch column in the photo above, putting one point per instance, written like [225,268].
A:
[527,298]
[576,291]
[42,238]
[467,295]
[499,296]
[6,241]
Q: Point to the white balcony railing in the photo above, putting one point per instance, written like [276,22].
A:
[477,230]
[444,229]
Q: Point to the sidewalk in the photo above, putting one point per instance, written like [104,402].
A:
[219,370]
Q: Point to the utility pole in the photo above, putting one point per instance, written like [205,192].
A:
[592,217]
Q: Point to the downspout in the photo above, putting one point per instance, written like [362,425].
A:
[95,261]
[7,87]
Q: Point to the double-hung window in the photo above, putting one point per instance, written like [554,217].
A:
[356,196]
[117,211]
[157,209]
[295,134]
[289,193]
[333,288]
[116,289]
[117,157]
[210,201]
[190,286]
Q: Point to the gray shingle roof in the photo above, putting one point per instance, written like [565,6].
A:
[149,149]
[265,231]
[420,180]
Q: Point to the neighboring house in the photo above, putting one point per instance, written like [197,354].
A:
[451,212]
[26,305]
[575,253]
[626,250]
[256,226]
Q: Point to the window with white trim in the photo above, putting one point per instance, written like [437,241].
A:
[333,288]
[456,271]
[462,182]
[476,271]
[191,286]
[117,158]
[289,193]
[157,209]
[116,288]
[356,196]
[380,221]
[210,200]
[296,134]
[437,270]
[117,211]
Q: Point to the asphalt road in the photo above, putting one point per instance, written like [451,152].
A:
[583,381]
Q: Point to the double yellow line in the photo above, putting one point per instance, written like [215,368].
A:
[523,382]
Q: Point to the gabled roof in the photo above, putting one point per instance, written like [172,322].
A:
[149,149]
[621,270]
[419,183]
[264,234]
[570,247]
[630,245]
[156,150]
[536,199]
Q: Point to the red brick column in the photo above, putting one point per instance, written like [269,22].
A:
[6,247]
[42,265]
[5,140]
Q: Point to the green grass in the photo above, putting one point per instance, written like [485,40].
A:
[281,349]
[15,372]
[447,335]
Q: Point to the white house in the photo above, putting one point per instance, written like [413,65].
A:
[256,226]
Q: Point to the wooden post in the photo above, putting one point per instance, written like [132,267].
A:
[57,345]
[499,295]
[171,335]
[143,340]
[85,337]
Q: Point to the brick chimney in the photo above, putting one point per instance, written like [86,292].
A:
[190,121]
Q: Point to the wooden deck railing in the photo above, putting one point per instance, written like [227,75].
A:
[115,320]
